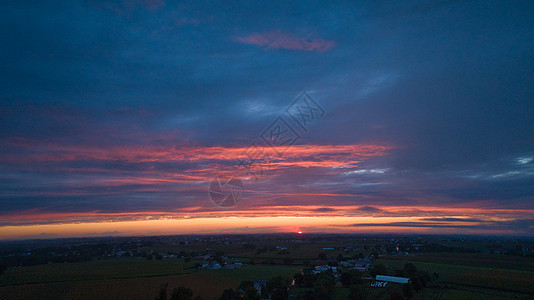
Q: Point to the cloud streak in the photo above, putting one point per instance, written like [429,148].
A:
[281,40]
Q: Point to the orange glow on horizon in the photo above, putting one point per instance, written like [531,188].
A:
[215,222]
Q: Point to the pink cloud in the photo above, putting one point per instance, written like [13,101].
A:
[280,40]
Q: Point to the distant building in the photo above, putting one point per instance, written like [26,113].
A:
[232,266]
[211,265]
[345,264]
[393,279]
[259,283]
[319,269]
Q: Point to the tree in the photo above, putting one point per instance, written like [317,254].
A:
[162,292]
[250,291]
[411,269]
[379,269]
[306,295]
[357,292]
[278,287]
[304,279]
[245,284]
[251,294]
[401,273]
[324,285]
[230,294]
[346,278]
[356,276]
[417,284]
[351,277]
[181,293]
[407,290]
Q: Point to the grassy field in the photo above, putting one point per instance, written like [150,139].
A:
[206,284]
[475,259]
[469,275]
[126,278]
[97,269]
[461,276]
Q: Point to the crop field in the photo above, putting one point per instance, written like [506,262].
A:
[482,275]
[96,269]
[126,278]
[475,259]
[468,279]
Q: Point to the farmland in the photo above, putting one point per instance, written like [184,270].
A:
[137,268]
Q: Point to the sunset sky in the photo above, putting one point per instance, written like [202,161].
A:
[394,117]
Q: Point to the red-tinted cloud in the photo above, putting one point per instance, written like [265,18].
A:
[280,40]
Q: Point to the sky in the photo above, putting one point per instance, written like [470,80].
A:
[146,117]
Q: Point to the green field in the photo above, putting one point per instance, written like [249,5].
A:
[126,278]
[461,275]
[97,269]
[469,277]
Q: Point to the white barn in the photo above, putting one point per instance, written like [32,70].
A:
[392,279]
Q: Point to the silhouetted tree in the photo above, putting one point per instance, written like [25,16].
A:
[357,292]
[351,277]
[379,269]
[307,295]
[278,286]
[407,290]
[324,285]
[181,293]
[346,278]
[305,278]
[411,269]
[251,294]
[162,292]
[245,284]
[401,273]
[230,294]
